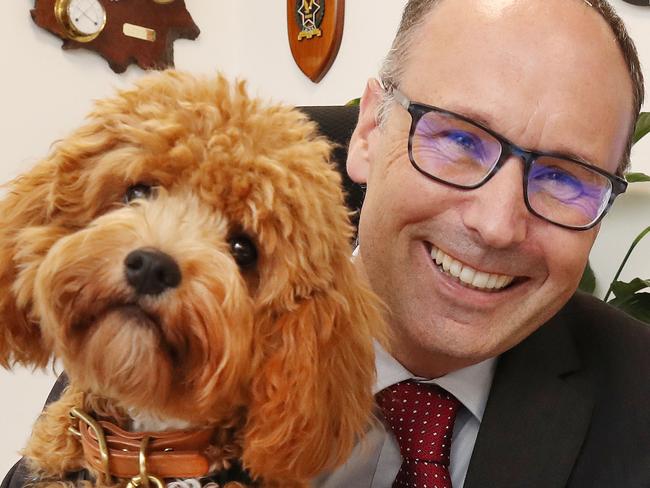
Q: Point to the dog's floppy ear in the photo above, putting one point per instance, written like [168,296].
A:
[38,209]
[312,397]
[23,213]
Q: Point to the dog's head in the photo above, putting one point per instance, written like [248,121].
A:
[186,254]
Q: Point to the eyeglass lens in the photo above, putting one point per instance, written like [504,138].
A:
[461,153]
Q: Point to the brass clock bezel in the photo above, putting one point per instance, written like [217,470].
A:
[61,14]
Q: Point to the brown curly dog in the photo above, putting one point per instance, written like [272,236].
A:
[186,255]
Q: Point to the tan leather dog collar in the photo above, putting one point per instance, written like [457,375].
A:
[176,454]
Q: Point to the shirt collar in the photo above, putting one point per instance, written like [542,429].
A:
[470,385]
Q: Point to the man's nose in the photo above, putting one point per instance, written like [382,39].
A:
[496,211]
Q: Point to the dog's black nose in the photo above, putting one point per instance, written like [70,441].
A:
[151,272]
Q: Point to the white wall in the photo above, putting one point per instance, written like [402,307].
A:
[46,92]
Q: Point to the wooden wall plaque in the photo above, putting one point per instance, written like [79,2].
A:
[134,31]
[315,29]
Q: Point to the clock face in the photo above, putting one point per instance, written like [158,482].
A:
[86,16]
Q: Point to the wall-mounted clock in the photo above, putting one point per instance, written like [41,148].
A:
[121,31]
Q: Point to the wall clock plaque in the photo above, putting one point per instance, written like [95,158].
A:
[121,31]
[315,29]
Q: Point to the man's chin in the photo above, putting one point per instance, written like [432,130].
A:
[454,344]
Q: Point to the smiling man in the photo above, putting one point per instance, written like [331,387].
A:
[491,149]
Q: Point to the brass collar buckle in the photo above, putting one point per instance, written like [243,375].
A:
[144,478]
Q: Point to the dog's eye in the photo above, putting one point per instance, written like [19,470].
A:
[243,250]
[137,191]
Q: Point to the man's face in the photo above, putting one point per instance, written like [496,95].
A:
[547,75]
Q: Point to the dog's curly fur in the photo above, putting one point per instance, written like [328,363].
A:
[279,354]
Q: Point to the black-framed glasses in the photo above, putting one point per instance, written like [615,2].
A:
[457,151]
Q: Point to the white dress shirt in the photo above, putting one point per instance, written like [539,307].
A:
[375,461]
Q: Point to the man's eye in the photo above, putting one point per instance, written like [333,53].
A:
[138,191]
[243,250]
[557,182]
[465,140]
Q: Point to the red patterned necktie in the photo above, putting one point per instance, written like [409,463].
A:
[422,418]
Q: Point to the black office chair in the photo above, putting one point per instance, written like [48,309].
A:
[336,123]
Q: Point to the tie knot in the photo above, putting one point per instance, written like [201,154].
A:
[421,416]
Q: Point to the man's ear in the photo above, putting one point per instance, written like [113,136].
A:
[358,152]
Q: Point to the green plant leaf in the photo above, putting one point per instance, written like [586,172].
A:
[642,127]
[637,239]
[637,305]
[624,291]
[355,102]
[637,177]
[588,280]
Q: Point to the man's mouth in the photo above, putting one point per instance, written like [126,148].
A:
[468,276]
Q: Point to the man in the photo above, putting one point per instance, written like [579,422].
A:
[476,97]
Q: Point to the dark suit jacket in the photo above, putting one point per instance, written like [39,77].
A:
[569,406]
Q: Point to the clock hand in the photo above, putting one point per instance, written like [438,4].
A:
[94,21]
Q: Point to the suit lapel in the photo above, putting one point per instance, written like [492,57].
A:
[537,414]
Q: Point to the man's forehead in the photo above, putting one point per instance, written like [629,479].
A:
[496,8]
[522,17]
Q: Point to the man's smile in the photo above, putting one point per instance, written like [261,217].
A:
[467,275]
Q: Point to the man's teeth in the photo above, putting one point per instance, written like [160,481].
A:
[469,275]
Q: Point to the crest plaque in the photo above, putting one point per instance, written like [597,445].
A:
[315,29]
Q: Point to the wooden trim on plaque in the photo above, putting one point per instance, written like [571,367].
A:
[315,29]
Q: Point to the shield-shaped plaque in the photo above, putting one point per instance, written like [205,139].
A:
[315,30]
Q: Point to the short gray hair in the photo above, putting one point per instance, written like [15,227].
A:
[415,14]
